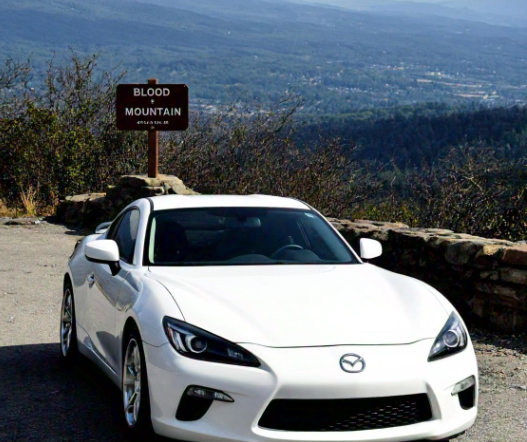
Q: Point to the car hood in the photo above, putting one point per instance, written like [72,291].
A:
[305,305]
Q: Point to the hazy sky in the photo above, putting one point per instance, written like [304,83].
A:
[377,1]
[417,1]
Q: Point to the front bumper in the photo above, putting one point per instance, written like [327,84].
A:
[309,373]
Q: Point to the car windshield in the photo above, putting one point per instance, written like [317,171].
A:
[243,236]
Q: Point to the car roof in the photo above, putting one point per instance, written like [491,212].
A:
[167,202]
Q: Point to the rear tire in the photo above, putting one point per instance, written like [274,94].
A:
[135,392]
[68,326]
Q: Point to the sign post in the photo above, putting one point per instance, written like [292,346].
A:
[152,107]
[153,146]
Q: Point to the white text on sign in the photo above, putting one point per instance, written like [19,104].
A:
[153,112]
[151,92]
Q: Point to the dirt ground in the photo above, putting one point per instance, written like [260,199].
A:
[41,400]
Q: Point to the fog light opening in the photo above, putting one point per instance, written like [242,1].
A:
[465,384]
[197,400]
[209,394]
[466,393]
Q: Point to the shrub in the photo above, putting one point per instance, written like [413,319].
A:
[472,189]
[63,140]
[240,151]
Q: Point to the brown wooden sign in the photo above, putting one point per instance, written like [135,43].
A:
[152,107]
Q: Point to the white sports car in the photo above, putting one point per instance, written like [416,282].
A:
[249,318]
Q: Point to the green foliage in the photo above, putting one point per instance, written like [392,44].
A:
[233,152]
[410,135]
[62,141]
[470,189]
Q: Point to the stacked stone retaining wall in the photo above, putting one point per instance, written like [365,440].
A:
[486,279]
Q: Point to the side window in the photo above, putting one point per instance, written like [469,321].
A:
[113,228]
[126,234]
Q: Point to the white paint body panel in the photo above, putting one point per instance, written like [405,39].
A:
[299,320]
[193,201]
[370,248]
[305,305]
[310,373]
[104,250]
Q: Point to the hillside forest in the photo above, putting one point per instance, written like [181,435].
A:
[433,165]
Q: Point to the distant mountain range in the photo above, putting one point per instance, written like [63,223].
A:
[498,12]
[339,60]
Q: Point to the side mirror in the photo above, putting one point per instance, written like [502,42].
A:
[370,248]
[104,251]
[103,227]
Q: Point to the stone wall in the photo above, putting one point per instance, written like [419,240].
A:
[486,279]
[91,209]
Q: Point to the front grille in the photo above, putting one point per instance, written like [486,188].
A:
[346,414]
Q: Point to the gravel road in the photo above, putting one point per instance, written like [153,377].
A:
[41,400]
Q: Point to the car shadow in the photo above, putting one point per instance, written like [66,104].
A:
[42,399]
[74,230]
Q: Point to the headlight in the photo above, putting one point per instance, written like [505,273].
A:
[452,339]
[196,343]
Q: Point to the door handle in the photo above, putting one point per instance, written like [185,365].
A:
[91,279]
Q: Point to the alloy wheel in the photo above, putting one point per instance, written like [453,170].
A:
[132,383]
[66,323]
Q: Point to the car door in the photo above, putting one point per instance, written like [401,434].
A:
[104,288]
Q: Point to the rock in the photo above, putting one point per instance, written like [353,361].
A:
[154,191]
[412,240]
[20,222]
[515,256]
[77,209]
[85,197]
[439,232]
[382,224]
[462,252]
[489,274]
[138,181]
[441,243]
[478,305]
[496,289]
[489,254]
[88,210]
[177,187]
[514,276]
[178,190]
[78,198]
[140,186]
[353,230]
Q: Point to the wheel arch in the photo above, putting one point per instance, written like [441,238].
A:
[129,325]
[67,281]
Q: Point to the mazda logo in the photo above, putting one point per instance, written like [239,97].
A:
[352,363]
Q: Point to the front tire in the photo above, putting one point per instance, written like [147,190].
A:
[68,326]
[136,398]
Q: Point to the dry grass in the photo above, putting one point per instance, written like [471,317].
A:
[29,207]
[7,212]
[29,199]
